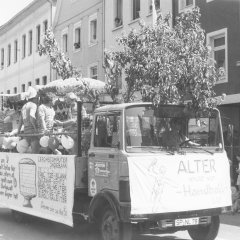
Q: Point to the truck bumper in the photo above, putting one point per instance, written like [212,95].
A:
[125,215]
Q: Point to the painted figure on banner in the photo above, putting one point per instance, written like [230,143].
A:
[161,183]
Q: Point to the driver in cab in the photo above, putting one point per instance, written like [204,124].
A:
[174,138]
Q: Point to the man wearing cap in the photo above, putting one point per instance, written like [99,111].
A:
[28,119]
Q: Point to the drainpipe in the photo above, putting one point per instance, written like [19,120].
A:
[51,24]
[103,35]
[103,38]
[173,13]
[50,69]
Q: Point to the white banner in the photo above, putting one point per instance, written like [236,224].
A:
[40,185]
[175,183]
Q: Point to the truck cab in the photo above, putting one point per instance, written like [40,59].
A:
[141,173]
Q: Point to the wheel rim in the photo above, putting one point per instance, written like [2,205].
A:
[110,228]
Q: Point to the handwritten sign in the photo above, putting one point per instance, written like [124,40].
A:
[102,169]
[8,180]
[40,185]
[175,183]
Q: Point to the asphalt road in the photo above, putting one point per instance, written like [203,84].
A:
[39,229]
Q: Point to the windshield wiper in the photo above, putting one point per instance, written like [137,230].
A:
[155,147]
[196,147]
[147,147]
[161,148]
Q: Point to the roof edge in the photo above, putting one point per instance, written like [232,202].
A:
[21,13]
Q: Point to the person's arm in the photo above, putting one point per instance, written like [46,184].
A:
[20,124]
[41,115]
[43,123]
[69,114]
[33,120]
[13,132]
[69,123]
[65,124]
[188,141]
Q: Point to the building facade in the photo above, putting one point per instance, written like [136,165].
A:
[123,15]
[84,29]
[21,65]
[78,29]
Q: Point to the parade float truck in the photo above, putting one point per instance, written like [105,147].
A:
[129,178]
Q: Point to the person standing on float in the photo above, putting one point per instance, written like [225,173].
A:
[29,120]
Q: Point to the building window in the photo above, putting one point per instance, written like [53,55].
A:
[24,46]
[93,29]
[135,9]
[23,88]
[65,42]
[77,36]
[184,5]
[38,36]
[29,84]
[44,80]
[9,55]
[15,90]
[45,25]
[218,42]
[37,81]
[157,5]
[93,71]
[30,42]
[118,13]
[8,91]
[15,51]
[2,58]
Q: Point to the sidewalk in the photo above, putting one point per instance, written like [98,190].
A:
[230,219]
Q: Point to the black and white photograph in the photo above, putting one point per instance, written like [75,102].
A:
[120,120]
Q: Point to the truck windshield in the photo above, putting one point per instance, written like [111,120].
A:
[170,128]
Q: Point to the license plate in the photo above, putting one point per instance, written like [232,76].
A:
[186,222]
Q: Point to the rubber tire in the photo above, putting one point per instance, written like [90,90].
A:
[111,229]
[208,232]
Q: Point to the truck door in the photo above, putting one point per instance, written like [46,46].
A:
[104,153]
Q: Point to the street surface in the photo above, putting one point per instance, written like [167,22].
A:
[38,229]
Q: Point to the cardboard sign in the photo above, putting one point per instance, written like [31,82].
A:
[40,185]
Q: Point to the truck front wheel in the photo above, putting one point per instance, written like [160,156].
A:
[208,232]
[112,229]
